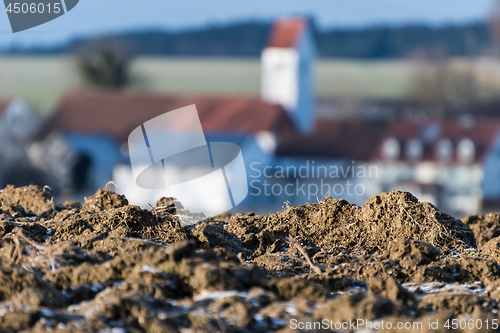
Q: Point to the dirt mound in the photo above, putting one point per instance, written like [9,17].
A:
[492,248]
[104,199]
[400,215]
[485,227]
[29,199]
[336,226]
[109,265]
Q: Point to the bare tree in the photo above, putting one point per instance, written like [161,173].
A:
[446,87]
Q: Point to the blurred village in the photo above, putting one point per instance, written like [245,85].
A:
[440,140]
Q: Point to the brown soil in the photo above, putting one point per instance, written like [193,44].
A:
[485,227]
[106,264]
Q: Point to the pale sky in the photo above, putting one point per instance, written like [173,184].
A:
[92,17]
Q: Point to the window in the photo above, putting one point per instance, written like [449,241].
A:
[390,149]
[466,151]
[444,150]
[414,150]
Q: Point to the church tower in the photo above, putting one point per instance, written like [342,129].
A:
[287,71]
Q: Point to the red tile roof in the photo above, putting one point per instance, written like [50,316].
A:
[117,113]
[342,139]
[481,131]
[286,33]
[3,104]
[362,140]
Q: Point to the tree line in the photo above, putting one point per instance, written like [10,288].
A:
[246,39]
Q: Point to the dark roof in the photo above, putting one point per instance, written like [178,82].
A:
[362,140]
[117,113]
[349,139]
[287,32]
[481,131]
[3,104]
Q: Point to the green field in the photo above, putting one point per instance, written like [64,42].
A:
[43,80]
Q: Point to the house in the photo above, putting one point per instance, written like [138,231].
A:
[19,123]
[341,152]
[97,125]
[454,163]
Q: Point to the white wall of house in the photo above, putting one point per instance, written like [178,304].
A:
[491,167]
[123,177]
[125,182]
[454,188]
[462,188]
[19,123]
[280,77]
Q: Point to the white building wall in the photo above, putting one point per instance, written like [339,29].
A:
[453,188]
[280,76]
[491,169]
[19,123]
